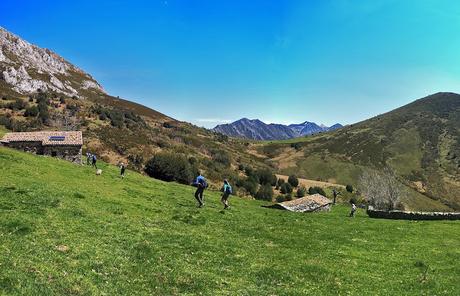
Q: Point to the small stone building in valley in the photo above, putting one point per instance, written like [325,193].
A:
[310,203]
[63,144]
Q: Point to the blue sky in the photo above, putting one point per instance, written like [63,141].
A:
[211,61]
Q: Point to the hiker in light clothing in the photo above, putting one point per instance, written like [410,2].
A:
[227,189]
[353,210]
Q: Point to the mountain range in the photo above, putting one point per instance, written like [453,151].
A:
[257,130]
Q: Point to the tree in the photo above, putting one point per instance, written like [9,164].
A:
[265,192]
[43,113]
[301,191]
[382,189]
[349,188]
[286,188]
[293,181]
[170,167]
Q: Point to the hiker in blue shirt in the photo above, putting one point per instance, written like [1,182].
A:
[227,189]
[201,185]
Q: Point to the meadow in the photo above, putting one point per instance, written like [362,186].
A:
[66,231]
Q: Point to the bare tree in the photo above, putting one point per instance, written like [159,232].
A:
[382,189]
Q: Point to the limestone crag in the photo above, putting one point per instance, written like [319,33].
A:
[28,68]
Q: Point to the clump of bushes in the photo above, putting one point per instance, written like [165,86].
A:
[31,111]
[301,191]
[316,189]
[286,188]
[170,167]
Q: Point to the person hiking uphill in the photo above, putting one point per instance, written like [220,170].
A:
[93,161]
[227,189]
[353,209]
[122,170]
[200,183]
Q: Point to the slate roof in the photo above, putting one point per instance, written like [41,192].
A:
[308,203]
[47,138]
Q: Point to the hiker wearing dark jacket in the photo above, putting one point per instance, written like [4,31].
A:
[93,161]
[122,170]
[227,189]
[200,183]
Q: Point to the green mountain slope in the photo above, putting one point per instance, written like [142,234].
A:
[65,231]
[420,141]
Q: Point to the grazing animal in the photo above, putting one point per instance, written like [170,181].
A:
[99,172]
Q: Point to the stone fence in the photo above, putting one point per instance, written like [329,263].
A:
[406,215]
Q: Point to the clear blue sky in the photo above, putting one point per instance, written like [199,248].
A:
[211,61]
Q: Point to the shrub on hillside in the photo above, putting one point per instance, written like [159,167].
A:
[286,188]
[250,186]
[31,111]
[222,157]
[170,167]
[316,189]
[293,181]
[265,192]
[296,146]
[280,198]
[249,171]
[280,182]
[301,191]
[349,188]
[18,104]
[265,176]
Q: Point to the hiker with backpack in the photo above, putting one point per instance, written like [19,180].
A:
[93,161]
[201,184]
[227,189]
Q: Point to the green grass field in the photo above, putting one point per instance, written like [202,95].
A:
[65,231]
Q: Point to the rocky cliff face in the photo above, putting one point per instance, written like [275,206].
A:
[28,68]
[258,130]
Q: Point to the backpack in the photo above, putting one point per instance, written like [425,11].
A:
[228,189]
[203,183]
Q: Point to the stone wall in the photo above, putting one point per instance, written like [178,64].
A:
[406,215]
[33,147]
[69,153]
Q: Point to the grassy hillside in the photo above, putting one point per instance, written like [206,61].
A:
[420,141]
[64,230]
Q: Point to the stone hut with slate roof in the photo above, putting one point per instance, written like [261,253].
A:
[63,144]
[310,203]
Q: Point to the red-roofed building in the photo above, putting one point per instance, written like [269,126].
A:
[63,144]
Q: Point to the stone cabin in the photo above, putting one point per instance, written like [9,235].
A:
[63,144]
[309,203]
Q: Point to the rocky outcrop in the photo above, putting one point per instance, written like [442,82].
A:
[28,68]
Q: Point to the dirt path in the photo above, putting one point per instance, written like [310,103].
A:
[311,183]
